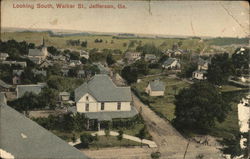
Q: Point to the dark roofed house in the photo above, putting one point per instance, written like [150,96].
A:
[100,99]
[171,63]
[34,88]
[156,88]
[4,87]
[23,138]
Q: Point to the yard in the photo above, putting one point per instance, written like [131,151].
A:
[163,106]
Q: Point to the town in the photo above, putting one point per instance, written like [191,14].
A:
[137,97]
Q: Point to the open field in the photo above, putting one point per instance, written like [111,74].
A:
[162,105]
[108,41]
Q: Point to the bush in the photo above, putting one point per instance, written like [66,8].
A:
[86,139]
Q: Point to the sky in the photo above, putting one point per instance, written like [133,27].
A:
[188,18]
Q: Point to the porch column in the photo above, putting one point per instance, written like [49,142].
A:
[88,124]
[99,125]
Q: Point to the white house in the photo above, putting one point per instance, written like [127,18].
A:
[84,54]
[171,63]
[155,88]
[132,56]
[100,99]
[200,73]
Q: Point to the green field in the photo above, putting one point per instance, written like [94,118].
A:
[162,105]
[60,42]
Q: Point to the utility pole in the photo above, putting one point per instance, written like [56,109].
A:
[186,150]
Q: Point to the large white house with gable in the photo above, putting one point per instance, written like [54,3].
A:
[100,99]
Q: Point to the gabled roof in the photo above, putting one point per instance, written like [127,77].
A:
[202,62]
[23,138]
[157,85]
[35,52]
[4,85]
[102,88]
[17,72]
[34,88]
[169,61]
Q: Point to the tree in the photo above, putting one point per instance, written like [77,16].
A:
[107,132]
[84,44]
[120,135]
[142,134]
[199,106]
[220,69]
[129,74]
[52,50]
[49,97]
[174,87]
[86,139]
[240,59]
[79,120]
[155,155]
[73,138]
[110,60]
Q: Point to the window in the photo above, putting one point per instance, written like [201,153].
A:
[87,107]
[102,106]
[87,98]
[119,106]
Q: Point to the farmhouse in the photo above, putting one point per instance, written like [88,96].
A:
[171,63]
[101,100]
[155,88]
[38,55]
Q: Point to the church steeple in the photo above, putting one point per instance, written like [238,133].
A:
[43,44]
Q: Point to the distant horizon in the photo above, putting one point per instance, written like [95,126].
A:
[173,18]
[70,31]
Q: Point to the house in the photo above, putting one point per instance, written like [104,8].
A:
[39,72]
[3,56]
[33,88]
[45,64]
[23,138]
[37,55]
[84,54]
[15,63]
[74,63]
[65,72]
[200,73]
[4,87]
[101,100]
[155,88]
[16,79]
[64,96]
[133,56]
[150,58]
[81,74]
[171,63]
[58,58]
[203,64]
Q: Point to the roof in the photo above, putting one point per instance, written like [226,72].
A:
[4,55]
[5,85]
[81,72]
[200,71]
[103,69]
[18,72]
[150,56]
[157,85]
[169,61]
[35,52]
[23,138]
[104,116]
[64,94]
[202,61]
[102,88]
[39,72]
[34,88]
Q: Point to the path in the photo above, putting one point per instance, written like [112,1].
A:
[170,142]
[151,144]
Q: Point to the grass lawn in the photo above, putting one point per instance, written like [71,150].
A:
[110,141]
[162,105]
[228,88]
